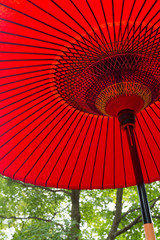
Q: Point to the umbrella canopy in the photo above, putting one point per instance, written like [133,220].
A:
[67,69]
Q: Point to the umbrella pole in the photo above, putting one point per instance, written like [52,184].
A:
[146,215]
[127,122]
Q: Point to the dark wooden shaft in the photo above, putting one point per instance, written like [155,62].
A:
[138,174]
[127,122]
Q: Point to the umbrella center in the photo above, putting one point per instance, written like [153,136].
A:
[109,85]
[123,95]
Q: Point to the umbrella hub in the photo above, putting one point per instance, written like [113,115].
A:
[124,95]
[110,85]
[126,118]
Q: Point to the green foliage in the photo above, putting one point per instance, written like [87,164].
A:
[35,207]
[33,213]
[40,231]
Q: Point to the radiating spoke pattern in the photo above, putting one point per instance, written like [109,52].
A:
[56,58]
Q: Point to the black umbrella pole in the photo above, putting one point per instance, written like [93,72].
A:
[146,215]
[127,121]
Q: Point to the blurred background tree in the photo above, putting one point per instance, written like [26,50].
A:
[39,213]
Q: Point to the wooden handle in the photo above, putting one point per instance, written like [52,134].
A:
[149,231]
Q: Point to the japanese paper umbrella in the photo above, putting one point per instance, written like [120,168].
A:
[74,77]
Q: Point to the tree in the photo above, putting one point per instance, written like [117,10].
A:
[33,212]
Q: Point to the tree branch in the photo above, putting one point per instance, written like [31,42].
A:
[137,220]
[30,217]
[117,216]
[130,211]
[158,217]
[153,201]
[27,185]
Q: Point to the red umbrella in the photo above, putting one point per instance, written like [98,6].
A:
[70,72]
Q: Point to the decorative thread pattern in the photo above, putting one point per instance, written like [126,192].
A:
[119,89]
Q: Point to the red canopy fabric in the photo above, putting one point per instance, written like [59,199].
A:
[47,139]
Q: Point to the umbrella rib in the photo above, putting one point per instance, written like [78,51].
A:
[146,41]
[21,60]
[148,147]
[48,25]
[88,152]
[151,48]
[137,16]
[133,36]
[48,146]
[105,153]
[77,138]
[35,138]
[149,37]
[104,14]
[156,50]
[34,29]
[40,102]
[120,27]
[24,104]
[45,33]
[79,51]
[84,39]
[157,106]
[141,30]
[20,67]
[78,23]
[35,46]
[35,53]
[26,146]
[27,90]
[102,34]
[44,41]
[123,158]
[93,84]
[31,38]
[143,40]
[28,95]
[84,139]
[150,131]
[27,45]
[152,120]
[133,26]
[145,17]
[64,61]
[24,119]
[139,36]
[21,80]
[102,30]
[95,34]
[95,158]
[65,69]
[142,156]
[126,28]
[19,74]
[30,123]
[113,17]
[154,111]
[63,152]
[54,148]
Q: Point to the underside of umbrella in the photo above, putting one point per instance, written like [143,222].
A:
[75,77]
[67,69]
